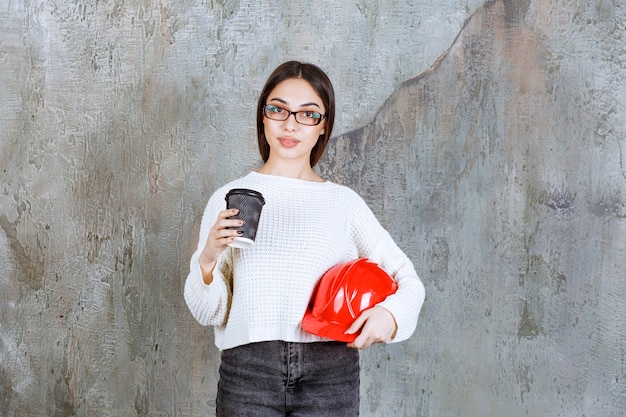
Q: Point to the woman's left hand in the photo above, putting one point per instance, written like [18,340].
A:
[377,325]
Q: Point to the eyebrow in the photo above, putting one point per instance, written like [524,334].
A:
[301,105]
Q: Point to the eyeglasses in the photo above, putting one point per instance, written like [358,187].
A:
[304,117]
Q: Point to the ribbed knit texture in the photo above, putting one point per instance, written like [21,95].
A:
[261,293]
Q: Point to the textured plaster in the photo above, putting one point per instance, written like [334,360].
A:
[487,137]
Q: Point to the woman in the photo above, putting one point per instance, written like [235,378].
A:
[256,297]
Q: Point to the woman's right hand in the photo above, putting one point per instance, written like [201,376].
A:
[219,237]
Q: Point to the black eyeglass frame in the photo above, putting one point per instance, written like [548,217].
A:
[295,115]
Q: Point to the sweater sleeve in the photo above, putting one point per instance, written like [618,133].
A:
[209,304]
[375,243]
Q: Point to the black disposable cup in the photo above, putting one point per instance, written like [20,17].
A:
[250,203]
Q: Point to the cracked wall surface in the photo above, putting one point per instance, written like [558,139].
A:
[488,137]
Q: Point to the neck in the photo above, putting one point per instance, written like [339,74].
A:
[297,171]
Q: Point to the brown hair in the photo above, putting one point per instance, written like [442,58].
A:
[322,86]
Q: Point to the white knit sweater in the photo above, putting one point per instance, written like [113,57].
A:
[261,293]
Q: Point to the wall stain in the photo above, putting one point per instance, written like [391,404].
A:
[33,264]
[559,199]
[6,389]
[438,256]
[524,380]
[610,205]
[62,398]
[164,28]
[95,241]
[528,327]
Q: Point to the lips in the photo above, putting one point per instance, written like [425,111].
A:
[288,142]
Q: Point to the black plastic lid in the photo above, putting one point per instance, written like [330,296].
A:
[245,191]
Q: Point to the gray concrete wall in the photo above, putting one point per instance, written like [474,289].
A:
[487,137]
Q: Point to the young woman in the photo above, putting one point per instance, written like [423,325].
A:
[256,297]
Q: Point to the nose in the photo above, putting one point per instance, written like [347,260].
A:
[290,122]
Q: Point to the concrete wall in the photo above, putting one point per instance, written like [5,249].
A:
[488,138]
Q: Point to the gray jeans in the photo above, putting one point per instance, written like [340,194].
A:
[279,379]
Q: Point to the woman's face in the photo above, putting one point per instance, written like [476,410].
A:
[289,140]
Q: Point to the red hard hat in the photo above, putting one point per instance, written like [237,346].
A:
[342,294]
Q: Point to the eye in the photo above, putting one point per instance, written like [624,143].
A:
[311,115]
[275,109]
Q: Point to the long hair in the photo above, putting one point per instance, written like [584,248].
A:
[322,86]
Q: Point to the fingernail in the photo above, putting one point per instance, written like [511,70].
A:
[240,232]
